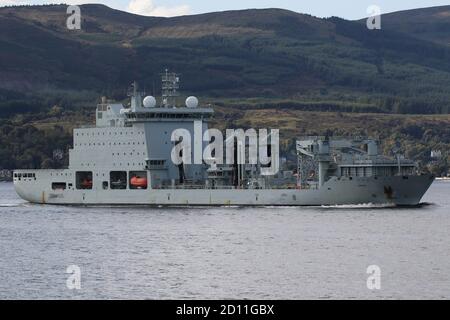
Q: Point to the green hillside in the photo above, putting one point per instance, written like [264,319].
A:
[431,24]
[268,55]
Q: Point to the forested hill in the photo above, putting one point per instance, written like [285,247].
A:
[262,58]
[431,24]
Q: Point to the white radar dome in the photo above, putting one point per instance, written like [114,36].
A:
[149,102]
[192,102]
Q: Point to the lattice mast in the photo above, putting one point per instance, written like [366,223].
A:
[170,86]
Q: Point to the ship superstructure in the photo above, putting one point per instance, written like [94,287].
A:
[125,159]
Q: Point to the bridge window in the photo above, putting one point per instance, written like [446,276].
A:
[155,164]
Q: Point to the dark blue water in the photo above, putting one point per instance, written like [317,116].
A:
[221,253]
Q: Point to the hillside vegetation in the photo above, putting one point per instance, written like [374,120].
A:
[269,54]
[267,68]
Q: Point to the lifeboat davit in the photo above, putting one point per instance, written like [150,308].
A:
[138,182]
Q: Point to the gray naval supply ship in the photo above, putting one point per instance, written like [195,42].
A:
[125,159]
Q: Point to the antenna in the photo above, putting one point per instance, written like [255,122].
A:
[136,96]
[170,85]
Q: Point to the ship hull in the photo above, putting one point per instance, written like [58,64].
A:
[394,190]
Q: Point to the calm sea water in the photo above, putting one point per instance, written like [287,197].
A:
[225,253]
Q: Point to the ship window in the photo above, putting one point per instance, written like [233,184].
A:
[84,180]
[105,185]
[157,162]
[118,179]
[138,180]
[59,186]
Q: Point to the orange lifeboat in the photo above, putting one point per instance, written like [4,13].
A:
[87,184]
[138,182]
